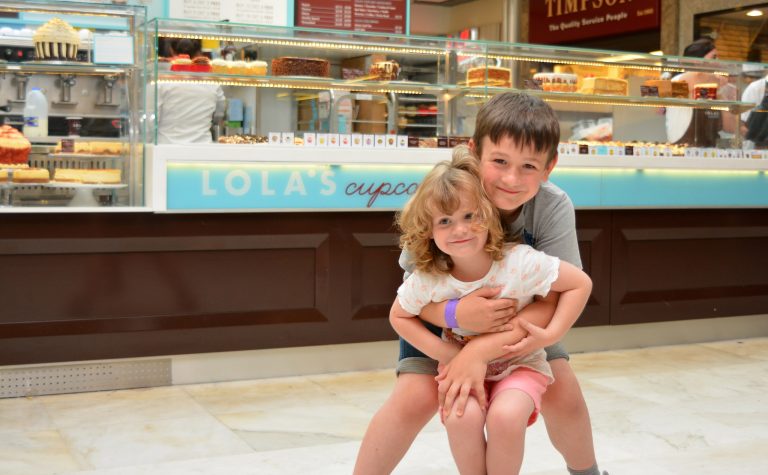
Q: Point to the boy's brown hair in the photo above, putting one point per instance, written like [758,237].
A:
[440,192]
[524,118]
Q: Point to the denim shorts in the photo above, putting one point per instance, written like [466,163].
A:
[414,361]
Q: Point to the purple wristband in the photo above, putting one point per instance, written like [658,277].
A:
[450,313]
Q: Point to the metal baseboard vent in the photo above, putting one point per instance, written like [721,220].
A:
[77,378]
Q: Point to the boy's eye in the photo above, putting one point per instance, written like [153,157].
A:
[530,166]
[499,161]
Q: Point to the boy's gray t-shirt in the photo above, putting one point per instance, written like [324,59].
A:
[547,223]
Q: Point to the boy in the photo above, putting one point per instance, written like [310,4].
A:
[516,138]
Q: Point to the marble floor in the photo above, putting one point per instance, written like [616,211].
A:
[689,409]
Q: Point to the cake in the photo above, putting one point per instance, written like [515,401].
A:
[93,148]
[56,40]
[604,85]
[201,64]
[664,88]
[14,147]
[384,70]
[556,82]
[705,91]
[496,76]
[219,66]
[292,66]
[181,62]
[257,68]
[31,175]
[101,176]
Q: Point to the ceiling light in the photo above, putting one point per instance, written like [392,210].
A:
[755,12]
[658,52]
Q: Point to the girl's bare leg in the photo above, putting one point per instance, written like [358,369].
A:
[467,438]
[506,424]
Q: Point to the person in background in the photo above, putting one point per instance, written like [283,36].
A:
[185,112]
[515,142]
[702,127]
[753,127]
[455,243]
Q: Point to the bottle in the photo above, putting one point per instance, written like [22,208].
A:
[36,114]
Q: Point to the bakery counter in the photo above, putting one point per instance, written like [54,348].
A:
[268,178]
[94,286]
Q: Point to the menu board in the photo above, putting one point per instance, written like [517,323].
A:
[262,12]
[382,16]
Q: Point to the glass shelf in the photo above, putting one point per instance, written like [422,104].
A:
[402,87]
[64,67]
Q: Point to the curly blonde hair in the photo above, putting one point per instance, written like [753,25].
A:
[441,191]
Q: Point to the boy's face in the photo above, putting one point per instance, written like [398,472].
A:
[512,175]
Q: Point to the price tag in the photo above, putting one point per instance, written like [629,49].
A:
[110,49]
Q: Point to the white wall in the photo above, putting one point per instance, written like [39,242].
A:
[431,20]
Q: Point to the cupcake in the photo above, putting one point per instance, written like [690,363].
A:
[56,40]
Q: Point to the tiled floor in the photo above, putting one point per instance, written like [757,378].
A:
[691,409]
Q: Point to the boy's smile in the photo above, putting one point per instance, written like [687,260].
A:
[512,175]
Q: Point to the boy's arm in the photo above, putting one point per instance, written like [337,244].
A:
[414,332]
[465,373]
[478,311]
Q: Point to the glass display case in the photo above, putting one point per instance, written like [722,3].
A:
[310,89]
[72,105]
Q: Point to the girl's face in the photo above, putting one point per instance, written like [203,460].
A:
[459,234]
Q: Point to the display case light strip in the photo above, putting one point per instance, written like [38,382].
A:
[323,85]
[580,63]
[570,170]
[613,103]
[308,44]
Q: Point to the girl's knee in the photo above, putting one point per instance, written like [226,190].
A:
[473,417]
[511,413]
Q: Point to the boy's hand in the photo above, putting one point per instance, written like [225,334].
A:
[482,313]
[457,380]
[537,338]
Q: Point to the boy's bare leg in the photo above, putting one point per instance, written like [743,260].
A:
[396,424]
[466,434]
[567,417]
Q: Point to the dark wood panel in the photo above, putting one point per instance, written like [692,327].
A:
[375,274]
[676,265]
[594,234]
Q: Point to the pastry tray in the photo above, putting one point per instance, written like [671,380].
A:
[91,186]
[91,156]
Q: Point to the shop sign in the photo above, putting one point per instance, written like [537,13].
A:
[265,186]
[564,21]
[382,16]
[311,187]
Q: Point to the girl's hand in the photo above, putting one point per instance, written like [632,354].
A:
[537,338]
[457,380]
[482,313]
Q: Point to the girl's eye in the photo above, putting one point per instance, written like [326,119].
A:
[443,221]
[469,216]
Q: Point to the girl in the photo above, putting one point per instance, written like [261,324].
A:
[456,245]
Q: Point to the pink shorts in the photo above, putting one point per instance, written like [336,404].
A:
[526,380]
